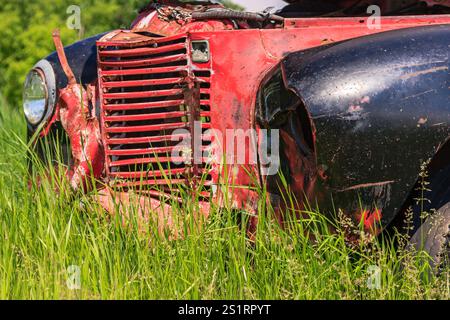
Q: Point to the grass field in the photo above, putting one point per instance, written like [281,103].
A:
[46,238]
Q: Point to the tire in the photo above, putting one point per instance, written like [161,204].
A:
[433,237]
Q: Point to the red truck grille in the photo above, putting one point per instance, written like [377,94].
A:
[146,97]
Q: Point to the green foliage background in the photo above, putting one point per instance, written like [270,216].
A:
[26,27]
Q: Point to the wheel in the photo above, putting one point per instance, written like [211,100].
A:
[433,237]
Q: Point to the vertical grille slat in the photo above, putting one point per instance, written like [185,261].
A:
[144,101]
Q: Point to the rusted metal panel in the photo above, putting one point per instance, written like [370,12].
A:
[148,86]
[143,106]
[80,124]
[387,114]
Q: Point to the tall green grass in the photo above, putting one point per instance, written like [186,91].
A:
[43,233]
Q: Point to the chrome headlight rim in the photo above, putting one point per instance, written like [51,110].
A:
[46,71]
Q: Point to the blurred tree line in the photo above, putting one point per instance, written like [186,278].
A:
[26,27]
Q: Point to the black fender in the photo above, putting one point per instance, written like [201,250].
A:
[82,58]
[380,106]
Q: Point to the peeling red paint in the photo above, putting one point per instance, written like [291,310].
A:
[233,76]
[81,125]
[371,220]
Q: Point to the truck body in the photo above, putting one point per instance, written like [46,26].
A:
[344,112]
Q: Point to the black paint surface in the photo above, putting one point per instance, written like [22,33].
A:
[381,107]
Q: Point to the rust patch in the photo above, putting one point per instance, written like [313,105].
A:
[191,94]
[419,73]
[62,58]
[367,185]
[371,220]
[81,125]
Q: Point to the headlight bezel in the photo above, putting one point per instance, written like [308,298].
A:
[47,73]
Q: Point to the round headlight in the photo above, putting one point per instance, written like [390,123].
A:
[35,97]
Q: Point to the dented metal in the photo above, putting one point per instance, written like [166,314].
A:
[81,125]
[350,102]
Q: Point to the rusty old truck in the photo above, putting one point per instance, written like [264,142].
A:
[343,104]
